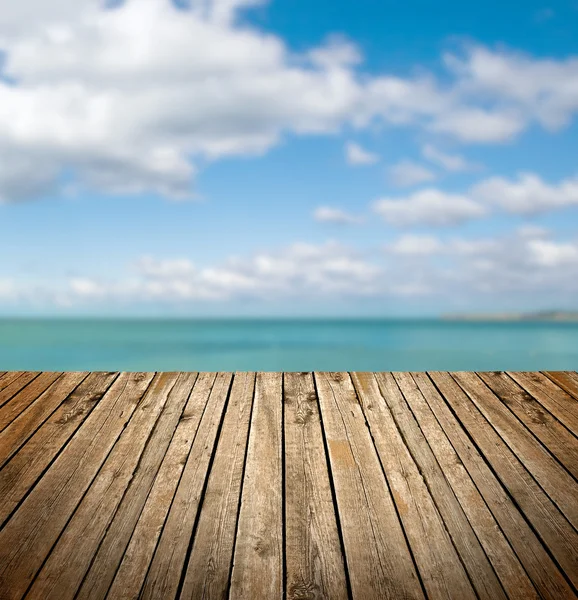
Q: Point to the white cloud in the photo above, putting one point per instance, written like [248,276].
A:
[516,262]
[327,214]
[300,270]
[130,99]
[552,254]
[416,245]
[85,287]
[528,194]
[407,173]
[535,268]
[545,90]
[429,207]
[356,155]
[450,162]
[479,125]
[127,98]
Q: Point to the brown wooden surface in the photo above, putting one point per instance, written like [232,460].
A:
[297,485]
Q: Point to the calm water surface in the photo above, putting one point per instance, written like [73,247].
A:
[288,345]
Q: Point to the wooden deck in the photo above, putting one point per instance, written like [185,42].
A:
[295,485]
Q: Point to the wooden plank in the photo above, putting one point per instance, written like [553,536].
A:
[8,377]
[164,576]
[118,533]
[64,569]
[567,380]
[209,567]
[553,398]
[559,441]
[13,383]
[258,557]
[547,520]
[313,554]
[456,495]
[28,421]
[378,559]
[131,574]
[554,479]
[26,397]
[486,554]
[29,535]
[23,470]
[438,563]
[461,460]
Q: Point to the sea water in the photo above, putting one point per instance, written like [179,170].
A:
[285,345]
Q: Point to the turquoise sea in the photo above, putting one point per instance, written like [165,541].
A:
[283,344]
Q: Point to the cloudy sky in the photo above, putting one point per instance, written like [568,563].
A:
[288,157]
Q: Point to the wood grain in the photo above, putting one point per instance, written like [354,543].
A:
[553,398]
[553,435]
[552,527]
[209,568]
[25,424]
[13,383]
[314,558]
[25,397]
[26,466]
[304,486]
[554,480]
[105,563]
[29,535]
[80,540]
[487,557]
[258,558]
[164,575]
[138,555]
[566,380]
[378,559]
[438,563]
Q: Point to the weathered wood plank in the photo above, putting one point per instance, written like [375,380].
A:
[553,398]
[110,488]
[63,571]
[15,434]
[552,477]
[567,380]
[258,557]
[209,567]
[400,392]
[13,383]
[29,535]
[439,566]
[378,559]
[164,575]
[27,395]
[22,471]
[131,574]
[314,558]
[118,533]
[455,479]
[559,441]
[8,377]
[548,521]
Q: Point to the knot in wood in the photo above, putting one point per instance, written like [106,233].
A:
[303,590]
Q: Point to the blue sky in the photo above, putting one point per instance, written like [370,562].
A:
[237,157]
